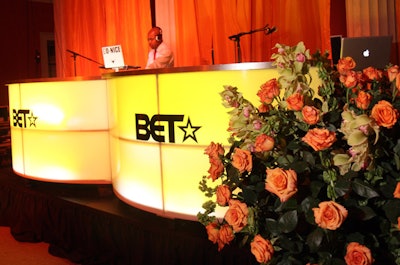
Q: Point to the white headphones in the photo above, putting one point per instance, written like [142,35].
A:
[159,35]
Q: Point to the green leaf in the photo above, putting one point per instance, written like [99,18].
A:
[316,187]
[249,195]
[272,226]
[288,221]
[342,186]
[285,161]
[308,203]
[362,189]
[392,210]
[299,166]
[314,239]
[293,145]
[309,158]
[365,213]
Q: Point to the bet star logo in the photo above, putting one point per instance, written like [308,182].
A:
[189,130]
[20,118]
[32,120]
[156,127]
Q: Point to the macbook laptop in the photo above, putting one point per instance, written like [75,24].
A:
[367,51]
[113,57]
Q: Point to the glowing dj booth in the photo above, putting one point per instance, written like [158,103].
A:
[60,130]
[143,131]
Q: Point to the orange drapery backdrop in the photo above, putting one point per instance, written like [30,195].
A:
[86,26]
[203,28]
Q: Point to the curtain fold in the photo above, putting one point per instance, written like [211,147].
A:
[205,27]
[86,26]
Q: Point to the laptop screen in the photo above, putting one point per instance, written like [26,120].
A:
[113,57]
[367,51]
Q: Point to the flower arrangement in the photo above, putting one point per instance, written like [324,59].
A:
[310,177]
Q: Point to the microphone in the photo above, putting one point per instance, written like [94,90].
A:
[269,30]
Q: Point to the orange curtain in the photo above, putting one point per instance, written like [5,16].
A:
[86,26]
[203,28]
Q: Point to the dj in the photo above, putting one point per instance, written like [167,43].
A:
[160,55]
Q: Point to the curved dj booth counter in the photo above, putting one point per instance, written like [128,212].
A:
[143,131]
[164,121]
[60,130]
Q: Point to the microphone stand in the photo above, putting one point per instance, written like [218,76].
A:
[75,54]
[236,38]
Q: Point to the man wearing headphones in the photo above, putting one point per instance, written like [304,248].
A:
[160,55]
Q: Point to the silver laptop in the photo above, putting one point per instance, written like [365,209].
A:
[113,57]
[367,51]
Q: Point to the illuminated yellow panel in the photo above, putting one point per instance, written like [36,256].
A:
[196,95]
[67,156]
[67,105]
[60,131]
[140,177]
[16,133]
[131,95]
[17,153]
[136,165]
[183,168]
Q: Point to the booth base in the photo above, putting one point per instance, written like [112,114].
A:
[88,224]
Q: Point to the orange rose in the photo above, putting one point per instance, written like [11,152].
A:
[319,139]
[264,108]
[225,236]
[372,73]
[281,182]
[214,150]
[262,249]
[264,143]
[242,160]
[330,215]
[398,82]
[236,215]
[345,64]
[268,91]
[396,192]
[392,72]
[212,232]
[295,102]
[311,115]
[384,114]
[363,100]
[216,168]
[350,79]
[358,254]
[223,195]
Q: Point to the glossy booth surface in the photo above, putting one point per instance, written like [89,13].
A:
[163,123]
[60,130]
